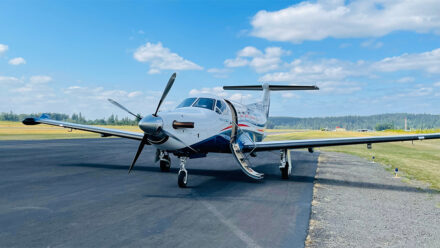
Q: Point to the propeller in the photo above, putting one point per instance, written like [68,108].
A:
[140,148]
[138,117]
[144,140]
[165,92]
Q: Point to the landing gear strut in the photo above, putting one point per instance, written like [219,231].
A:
[165,161]
[182,177]
[285,166]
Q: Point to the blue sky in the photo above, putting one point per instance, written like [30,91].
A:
[368,57]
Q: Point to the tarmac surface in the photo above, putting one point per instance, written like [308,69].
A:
[77,193]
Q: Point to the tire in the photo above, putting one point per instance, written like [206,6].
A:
[285,171]
[182,179]
[165,165]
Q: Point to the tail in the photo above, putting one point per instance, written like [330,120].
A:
[267,88]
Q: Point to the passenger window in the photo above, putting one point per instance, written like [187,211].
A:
[206,103]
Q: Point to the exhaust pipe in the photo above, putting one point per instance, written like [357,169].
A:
[178,124]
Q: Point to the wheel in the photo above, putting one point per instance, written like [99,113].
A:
[285,171]
[182,178]
[165,164]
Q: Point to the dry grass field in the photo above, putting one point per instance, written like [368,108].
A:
[419,160]
[17,131]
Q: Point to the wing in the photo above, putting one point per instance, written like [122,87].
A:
[311,143]
[105,132]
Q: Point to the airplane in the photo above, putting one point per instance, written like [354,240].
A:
[211,124]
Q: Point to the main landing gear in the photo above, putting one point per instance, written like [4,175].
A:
[182,177]
[165,161]
[285,164]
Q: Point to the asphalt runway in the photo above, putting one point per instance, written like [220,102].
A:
[77,193]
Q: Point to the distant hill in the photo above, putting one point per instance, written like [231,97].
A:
[394,121]
[383,121]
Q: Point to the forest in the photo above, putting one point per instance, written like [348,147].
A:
[372,122]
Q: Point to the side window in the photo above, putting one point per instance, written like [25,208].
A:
[219,107]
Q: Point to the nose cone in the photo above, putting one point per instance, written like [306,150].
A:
[151,124]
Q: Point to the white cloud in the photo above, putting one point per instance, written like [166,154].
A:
[237,62]
[372,44]
[134,94]
[3,48]
[8,80]
[437,84]
[427,61]
[17,61]
[306,71]
[218,91]
[219,72]
[40,79]
[250,51]
[423,91]
[405,80]
[289,95]
[335,87]
[259,61]
[161,58]
[346,19]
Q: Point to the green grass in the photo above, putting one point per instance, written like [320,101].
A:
[420,161]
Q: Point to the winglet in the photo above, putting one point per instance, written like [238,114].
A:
[44,116]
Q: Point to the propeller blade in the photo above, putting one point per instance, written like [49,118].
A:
[124,108]
[140,148]
[165,92]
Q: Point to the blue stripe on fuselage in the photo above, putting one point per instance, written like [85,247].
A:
[220,143]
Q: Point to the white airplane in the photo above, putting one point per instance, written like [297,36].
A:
[204,124]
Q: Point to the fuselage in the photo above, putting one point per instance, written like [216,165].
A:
[212,124]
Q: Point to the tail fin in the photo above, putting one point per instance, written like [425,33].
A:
[266,88]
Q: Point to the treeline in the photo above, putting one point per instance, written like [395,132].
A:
[373,122]
[75,118]
[378,122]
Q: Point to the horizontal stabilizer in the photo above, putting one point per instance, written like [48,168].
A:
[272,87]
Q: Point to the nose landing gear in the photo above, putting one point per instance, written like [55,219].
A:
[182,177]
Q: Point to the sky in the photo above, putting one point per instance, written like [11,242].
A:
[367,57]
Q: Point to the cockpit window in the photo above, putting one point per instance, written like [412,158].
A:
[219,107]
[206,103]
[187,102]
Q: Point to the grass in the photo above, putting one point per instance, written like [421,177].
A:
[420,161]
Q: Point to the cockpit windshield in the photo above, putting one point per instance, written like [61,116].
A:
[187,102]
[207,103]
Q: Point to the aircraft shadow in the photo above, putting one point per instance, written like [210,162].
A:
[271,174]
